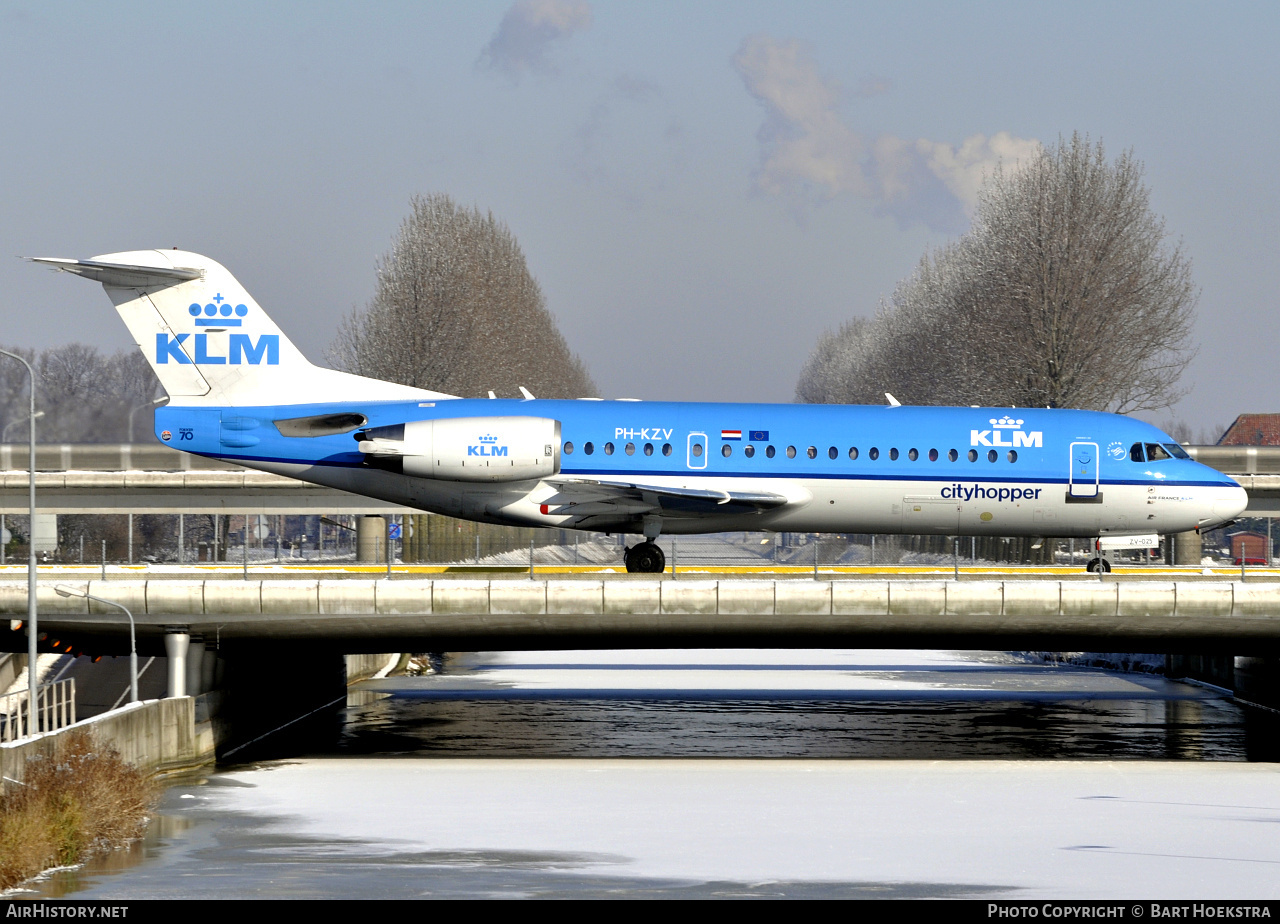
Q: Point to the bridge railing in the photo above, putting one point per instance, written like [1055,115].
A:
[55,708]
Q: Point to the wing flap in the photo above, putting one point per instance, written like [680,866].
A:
[585,497]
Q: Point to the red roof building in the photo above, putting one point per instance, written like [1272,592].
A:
[1253,430]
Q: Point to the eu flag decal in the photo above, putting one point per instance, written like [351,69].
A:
[759,436]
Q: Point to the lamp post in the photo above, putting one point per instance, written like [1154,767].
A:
[32,633]
[4,434]
[65,590]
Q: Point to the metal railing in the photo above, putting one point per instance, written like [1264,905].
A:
[55,708]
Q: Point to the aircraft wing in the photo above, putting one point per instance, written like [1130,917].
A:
[590,497]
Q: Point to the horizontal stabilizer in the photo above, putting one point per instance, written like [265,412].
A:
[123,275]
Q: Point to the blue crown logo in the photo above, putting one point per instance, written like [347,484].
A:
[488,439]
[217,313]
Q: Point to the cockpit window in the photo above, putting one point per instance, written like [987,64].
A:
[1176,451]
[1135,453]
[1155,452]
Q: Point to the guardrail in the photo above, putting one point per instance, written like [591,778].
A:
[55,709]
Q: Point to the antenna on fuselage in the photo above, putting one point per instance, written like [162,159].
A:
[492,396]
[528,395]
[893,402]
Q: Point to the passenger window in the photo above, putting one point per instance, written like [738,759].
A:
[853,452]
[812,452]
[933,455]
[726,450]
[697,450]
[791,452]
[770,452]
[666,449]
[608,449]
[568,449]
[648,449]
[992,455]
[748,450]
[833,453]
[953,455]
[631,449]
[873,453]
[973,455]
[1176,451]
[1156,453]
[589,448]
[893,455]
[912,455]
[1135,453]
[1013,455]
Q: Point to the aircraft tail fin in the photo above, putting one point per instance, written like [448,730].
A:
[207,339]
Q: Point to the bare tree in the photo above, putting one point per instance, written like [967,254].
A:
[85,396]
[456,310]
[1064,293]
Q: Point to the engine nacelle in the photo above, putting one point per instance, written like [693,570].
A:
[467,448]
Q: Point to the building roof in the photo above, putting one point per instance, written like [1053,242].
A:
[1253,430]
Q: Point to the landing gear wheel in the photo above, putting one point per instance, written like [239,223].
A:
[645,558]
[1098,564]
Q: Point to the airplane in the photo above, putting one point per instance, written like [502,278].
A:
[240,390]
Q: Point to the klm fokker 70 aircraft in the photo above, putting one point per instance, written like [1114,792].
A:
[240,390]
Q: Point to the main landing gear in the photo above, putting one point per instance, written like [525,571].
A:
[645,558]
[1098,564]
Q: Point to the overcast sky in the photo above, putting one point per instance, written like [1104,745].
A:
[701,188]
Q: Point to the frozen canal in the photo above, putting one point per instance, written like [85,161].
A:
[802,773]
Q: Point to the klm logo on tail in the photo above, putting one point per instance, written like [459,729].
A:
[242,349]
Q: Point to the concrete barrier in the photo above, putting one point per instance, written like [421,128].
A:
[157,736]
[363,614]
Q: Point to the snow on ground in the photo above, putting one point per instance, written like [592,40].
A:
[857,673]
[1060,829]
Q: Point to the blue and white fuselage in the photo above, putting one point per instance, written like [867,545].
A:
[239,390]
[816,468]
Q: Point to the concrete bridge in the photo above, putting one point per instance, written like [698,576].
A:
[448,614]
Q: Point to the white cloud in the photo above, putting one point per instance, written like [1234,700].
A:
[807,147]
[527,32]
[810,153]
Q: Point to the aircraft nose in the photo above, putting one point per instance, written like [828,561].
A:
[1231,504]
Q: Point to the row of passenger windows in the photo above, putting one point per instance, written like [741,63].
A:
[812,452]
[629,449]
[873,453]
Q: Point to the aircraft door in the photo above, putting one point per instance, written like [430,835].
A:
[1083,479]
[697,454]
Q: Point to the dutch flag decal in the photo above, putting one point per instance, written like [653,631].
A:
[730,434]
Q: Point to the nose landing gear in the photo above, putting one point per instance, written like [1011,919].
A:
[645,558]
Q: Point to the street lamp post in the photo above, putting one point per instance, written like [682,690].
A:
[65,590]
[32,632]
[4,434]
